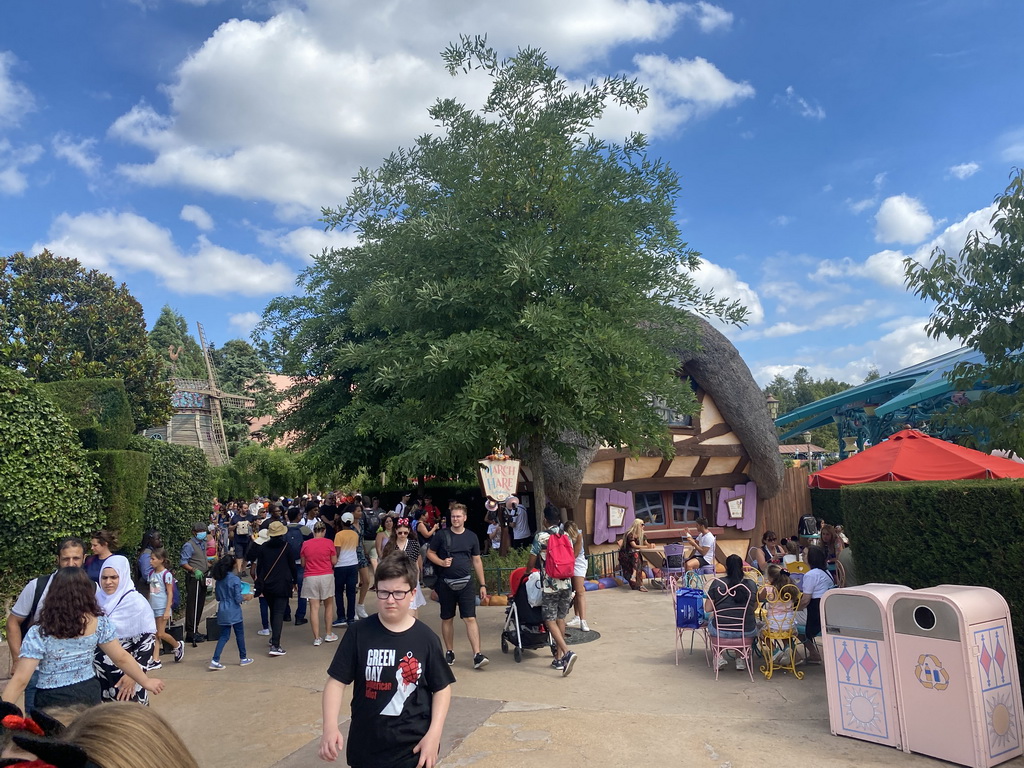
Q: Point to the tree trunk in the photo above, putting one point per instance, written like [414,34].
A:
[565,476]
[535,460]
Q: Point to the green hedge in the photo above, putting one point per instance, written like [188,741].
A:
[952,532]
[178,493]
[123,476]
[49,489]
[826,504]
[98,409]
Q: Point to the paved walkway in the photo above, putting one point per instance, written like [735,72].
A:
[626,702]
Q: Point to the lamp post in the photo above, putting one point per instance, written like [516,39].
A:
[807,439]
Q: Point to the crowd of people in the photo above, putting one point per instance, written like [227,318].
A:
[91,632]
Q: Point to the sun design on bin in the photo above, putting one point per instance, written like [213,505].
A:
[1001,722]
[862,708]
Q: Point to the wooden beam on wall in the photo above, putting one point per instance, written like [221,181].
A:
[670,483]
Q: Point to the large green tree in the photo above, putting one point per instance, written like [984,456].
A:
[177,349]
[516,279]
[979,298]
[59,321]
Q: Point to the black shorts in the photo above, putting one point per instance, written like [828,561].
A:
[464,598]
[241,545]
[813,619]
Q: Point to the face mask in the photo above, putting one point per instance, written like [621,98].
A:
[201,535]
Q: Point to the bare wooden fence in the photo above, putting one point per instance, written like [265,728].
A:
[782,513]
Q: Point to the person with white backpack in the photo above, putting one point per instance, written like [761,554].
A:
[240,530]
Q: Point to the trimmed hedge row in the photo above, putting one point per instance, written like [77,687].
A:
[97,408]
[950,532]
[49,487]
[178,493]
[826,504]
[123,477]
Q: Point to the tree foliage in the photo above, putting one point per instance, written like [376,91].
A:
[801,390]
[60,321]
[516,278]
[49,488]
[170,336]
[979,297]
[260,471]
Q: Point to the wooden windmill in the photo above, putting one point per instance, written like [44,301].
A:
[198,419]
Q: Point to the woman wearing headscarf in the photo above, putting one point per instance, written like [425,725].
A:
[133,619]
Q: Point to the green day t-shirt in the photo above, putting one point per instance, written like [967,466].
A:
[394,675]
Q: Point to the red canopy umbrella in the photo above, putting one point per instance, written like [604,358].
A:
[913,455]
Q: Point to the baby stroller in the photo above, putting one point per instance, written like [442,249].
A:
[524,624]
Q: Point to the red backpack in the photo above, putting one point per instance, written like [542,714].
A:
[561,559]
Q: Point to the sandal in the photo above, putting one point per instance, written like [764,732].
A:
[642,588]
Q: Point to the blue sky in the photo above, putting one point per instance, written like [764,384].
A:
[186,147]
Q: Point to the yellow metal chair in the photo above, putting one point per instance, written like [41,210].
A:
[778,637]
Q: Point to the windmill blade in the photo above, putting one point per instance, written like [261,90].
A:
[214,395]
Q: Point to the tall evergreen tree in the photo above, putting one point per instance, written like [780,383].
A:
[170,338]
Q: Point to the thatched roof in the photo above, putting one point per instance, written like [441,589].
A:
[719,370]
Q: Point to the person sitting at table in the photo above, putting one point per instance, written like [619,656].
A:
[832,544]
[703,554]
[782,597]
[815,584]
[730,596]
[792,552]
[769,552]
[630,560]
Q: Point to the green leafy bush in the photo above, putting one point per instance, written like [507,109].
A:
[97,408]
[825,503]
[123,476]
[950,532]
[49,487]
[178,493]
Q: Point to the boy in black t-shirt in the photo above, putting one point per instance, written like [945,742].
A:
[402,685]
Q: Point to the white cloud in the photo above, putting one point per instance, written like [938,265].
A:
[1013,146]
[886,267]
[244,322]
[727,285]
[678,90]
[906,343]
[125,242]
[800,105]
[12,160]
[964,170]
[16,99]
[286,110]
[78,153]
[879,181]
[845,316]
[711,17]
[902,219]
[782,221]
[306,242]
[859,206]
[198,216]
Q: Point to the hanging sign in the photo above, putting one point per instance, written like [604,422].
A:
[499,476]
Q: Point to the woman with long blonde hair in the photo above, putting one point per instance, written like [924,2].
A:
[127,736]
[630,560]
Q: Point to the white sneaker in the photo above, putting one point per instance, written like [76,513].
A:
[319,641]
[575,623]
[361,611]
[263,632]
[584,626]
[723,662]
[740,663]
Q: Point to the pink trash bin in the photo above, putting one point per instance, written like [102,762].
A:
[856,640]
[957,677]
